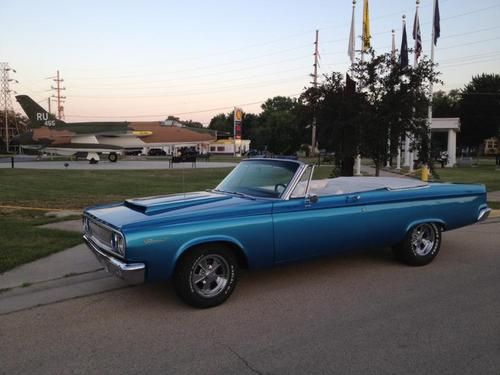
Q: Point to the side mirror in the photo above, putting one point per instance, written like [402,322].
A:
[312,198]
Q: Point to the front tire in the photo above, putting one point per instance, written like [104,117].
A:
[206,276]
[420,246]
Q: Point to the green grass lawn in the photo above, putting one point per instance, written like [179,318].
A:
[483,174]
[22,241]
[78,189]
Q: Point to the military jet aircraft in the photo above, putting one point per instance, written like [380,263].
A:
[88,139]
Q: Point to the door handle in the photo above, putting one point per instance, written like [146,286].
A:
[353,198]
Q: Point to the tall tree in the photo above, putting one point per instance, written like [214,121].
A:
[480,110]
[397,98]
[336,106]
[222,123]
[277,129]
[446,104]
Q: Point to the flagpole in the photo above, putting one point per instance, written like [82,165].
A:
[365,44]
[353,46]
[393,54]
[431,87]
[408,162]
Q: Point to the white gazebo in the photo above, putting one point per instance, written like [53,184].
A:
[452,126]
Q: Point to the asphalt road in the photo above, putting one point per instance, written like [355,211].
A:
[106,165]
[356,314]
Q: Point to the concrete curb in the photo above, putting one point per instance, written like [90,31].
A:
[494,213]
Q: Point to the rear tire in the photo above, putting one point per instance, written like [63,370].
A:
[420,245]
[206,276]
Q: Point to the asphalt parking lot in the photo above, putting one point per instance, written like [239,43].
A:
[353,314]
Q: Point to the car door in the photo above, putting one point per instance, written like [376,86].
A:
[304,229]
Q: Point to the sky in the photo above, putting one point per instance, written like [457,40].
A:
[145,60]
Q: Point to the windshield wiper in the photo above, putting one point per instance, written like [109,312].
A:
[243,195]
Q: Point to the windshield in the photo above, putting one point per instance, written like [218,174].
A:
[259,178]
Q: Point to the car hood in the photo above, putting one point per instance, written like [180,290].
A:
[177,208]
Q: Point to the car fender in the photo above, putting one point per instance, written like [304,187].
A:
[428,220]
[204,240]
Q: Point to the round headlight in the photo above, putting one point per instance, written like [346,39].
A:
[118,243]
[86,225]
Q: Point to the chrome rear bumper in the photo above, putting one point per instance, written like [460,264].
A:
[132,273]
[483,214]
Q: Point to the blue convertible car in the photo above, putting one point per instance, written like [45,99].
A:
[271,211]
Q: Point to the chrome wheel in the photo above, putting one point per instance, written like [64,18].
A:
[423,239]
[210,275]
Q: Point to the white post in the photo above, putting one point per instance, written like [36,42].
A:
[358,165]
[452,148]
[407,151]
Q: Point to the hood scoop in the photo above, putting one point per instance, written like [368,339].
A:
[165,203]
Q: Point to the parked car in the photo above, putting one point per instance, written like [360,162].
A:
[185,155]
[157,152]
[268,212]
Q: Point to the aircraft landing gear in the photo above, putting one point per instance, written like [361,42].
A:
[93,157]
[113,157]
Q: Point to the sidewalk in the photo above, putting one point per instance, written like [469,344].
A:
[71,273]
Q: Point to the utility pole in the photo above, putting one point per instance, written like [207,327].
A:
[60,108]
[314,142]
[5,97]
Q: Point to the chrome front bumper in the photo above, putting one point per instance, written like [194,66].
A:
[483,215]
[132,273]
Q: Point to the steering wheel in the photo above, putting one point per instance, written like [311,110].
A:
[277,188]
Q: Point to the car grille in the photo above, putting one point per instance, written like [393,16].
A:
[99,234]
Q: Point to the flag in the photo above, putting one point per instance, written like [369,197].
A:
[366,28]
[351,50]
[417,36]
[403,55]
[436,27]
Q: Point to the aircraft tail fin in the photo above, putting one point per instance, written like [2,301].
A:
[37,115]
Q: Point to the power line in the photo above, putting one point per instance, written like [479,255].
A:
[242,78]
[196,68]
[189,93]
[186,113]
[469,63]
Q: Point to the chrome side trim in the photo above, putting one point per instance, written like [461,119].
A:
[132,273]
[483,215]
